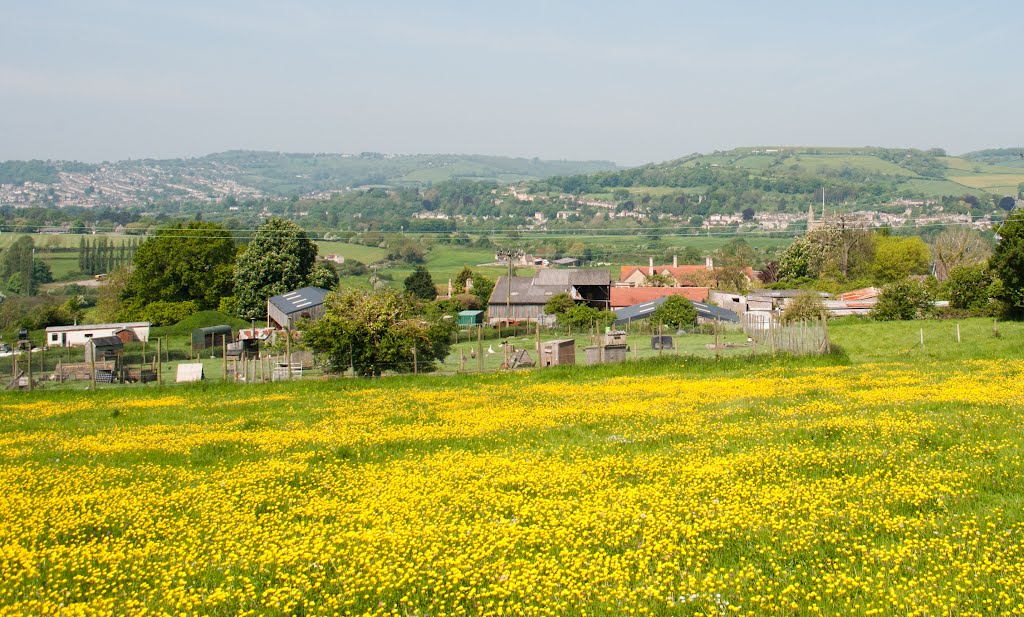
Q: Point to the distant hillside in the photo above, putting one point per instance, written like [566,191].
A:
[289,173]
[1012,157]
[788,178]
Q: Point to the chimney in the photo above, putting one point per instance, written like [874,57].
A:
[650,267]
[675,261]
[709,263]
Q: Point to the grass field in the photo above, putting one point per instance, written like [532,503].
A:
[886,480]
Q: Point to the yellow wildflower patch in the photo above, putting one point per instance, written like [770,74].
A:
[875,489]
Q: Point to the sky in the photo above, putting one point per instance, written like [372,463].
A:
[631,82]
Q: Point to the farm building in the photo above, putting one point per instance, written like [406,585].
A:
[706,275]
[705,312]
[622,297]
[212,336]
[560,352]
[522,298]
[566,262]
[287,309]
[103,347]
[468,319]
[77,336]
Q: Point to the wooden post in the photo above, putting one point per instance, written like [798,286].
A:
[922,338]
[958,332]
[716,338]
[224,355]
[159,362]
[462,359]
[288,351]
[262,378]
[92,364]
[538,340]
[480,347]
[995,327]
[661,341]
[30,365]
[824,333]
[351,360]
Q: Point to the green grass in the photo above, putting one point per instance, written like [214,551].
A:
[365,254]
[880,477]
[865,163]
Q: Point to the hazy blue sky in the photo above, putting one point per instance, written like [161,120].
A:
[626,81]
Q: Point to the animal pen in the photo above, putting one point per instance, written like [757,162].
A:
[799,337]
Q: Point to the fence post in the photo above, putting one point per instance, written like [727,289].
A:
[92,363]
[159,362]
[922,338]
[717,352]
[288,351]
[958,332]
[480,347]
[30,365]
[224,355]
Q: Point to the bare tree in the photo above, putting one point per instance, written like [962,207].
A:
[958,246]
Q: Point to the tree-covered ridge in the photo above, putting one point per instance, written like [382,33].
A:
[789,178]
[1013,157]
[289,173]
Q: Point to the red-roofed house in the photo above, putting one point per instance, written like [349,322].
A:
[628,296]
[683,276]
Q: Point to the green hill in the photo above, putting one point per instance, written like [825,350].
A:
[787,178]
[290,173]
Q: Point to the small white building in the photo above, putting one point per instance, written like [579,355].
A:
[77,336]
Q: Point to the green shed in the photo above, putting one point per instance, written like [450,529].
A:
[470,318]
[212,336]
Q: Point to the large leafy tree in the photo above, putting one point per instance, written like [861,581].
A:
[279,258]
[958,247]
[1007,262]
[184,262]
[378,331]
[896,258]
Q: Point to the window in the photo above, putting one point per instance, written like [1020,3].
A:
[53,337]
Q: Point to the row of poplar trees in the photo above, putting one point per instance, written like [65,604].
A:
[101,255]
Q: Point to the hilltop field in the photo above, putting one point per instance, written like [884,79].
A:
[883,479]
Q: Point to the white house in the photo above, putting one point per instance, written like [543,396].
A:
[77,336]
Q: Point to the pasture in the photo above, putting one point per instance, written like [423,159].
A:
[882,481]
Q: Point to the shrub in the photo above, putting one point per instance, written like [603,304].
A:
[169,313]
[807,306]
[583,317]
[903,300]
[969,288]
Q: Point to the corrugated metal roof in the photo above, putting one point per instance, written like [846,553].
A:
[107,341]
[646,309]
[300,299]
[628,296]
[857,295]
[100,326]
[470,313]
[547,283]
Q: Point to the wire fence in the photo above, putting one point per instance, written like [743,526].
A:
[797,337]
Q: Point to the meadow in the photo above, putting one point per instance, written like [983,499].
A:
[866,482]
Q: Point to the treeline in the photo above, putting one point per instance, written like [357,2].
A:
[102,255]
[45,172]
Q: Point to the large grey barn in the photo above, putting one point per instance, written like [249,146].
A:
[524,301]
[287,309]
